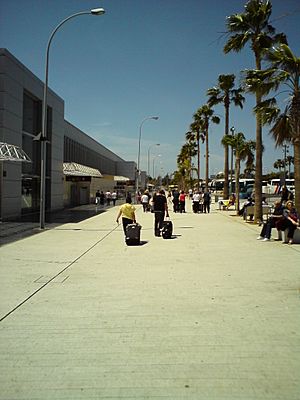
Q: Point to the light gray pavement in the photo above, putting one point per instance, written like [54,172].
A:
[212,314]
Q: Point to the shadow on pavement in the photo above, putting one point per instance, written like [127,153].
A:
[28,225]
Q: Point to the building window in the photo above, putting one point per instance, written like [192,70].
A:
[31,172]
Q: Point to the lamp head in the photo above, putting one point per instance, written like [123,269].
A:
[97,11]
[156,118]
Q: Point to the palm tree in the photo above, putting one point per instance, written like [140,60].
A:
[243,150]
[196,134]
[284,69]
[289,161]
[206,115]
[192,150]
[253,26]
[184,163]
[278,164]
[225,93]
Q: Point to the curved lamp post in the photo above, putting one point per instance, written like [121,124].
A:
[148,159]
[43,136]
[139,153]
[154,158]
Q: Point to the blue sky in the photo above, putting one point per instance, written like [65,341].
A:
[142,58]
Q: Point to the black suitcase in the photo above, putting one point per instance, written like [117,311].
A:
[133,234]
[167,229]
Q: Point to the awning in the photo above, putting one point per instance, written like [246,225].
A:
[121,178]
[11,152]
[76,169]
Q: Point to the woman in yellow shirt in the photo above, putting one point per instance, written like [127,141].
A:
[127,211]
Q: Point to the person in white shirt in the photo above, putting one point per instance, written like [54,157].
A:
[114,197]
[145,201]
[196,202]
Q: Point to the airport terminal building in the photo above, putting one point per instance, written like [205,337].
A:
[76,165]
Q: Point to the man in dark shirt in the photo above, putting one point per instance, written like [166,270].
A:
[160,208]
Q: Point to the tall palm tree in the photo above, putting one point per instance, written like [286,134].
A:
[243,150]
[184,163]
[192,149]
[225,93]
[278,164]
[289,161]
[284,69]
[196,134]
[253,26]
[206,114]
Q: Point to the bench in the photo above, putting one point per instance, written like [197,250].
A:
[225,204]
[296,238]
[266,210]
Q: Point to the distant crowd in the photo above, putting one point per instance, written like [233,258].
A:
[176,199]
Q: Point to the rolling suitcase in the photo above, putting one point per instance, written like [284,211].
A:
[167,229]
[133,234]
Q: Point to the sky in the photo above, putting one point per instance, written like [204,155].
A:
[141,58]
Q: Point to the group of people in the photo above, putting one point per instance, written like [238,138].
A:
[108,197]
[200,200]
[159,207]
[284,217]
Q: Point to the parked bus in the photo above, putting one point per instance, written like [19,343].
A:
[275,186]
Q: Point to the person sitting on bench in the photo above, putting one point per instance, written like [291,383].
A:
[227,203]
[265,233]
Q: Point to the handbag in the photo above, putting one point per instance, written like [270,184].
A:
[281,224]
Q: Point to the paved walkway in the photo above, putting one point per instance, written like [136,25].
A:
[212,314]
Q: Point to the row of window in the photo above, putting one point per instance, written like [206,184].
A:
[76,152]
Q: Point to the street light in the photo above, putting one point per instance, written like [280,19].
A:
[150,147]
[43,136]
[139,153]
[154,158]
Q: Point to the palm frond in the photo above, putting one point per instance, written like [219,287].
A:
[282,129]
[236,42]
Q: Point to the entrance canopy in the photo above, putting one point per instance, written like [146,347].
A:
[121,178]
[76,169]
[11,152]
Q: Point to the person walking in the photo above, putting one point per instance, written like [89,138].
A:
[145,201]
[114,197]
[196,202]
[176,201]
[160,208]
[97,200]
[102,198]
[108,197]
[206,201]
[182,202]
[127,212]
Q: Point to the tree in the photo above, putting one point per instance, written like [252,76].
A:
[206,115]
[278,164]
[196,134]
[224,93]
[289,161]
[285,126]
[253,26]
[193,140]
[243,150]
[184,164]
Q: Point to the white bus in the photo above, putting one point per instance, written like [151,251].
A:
[275,186]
